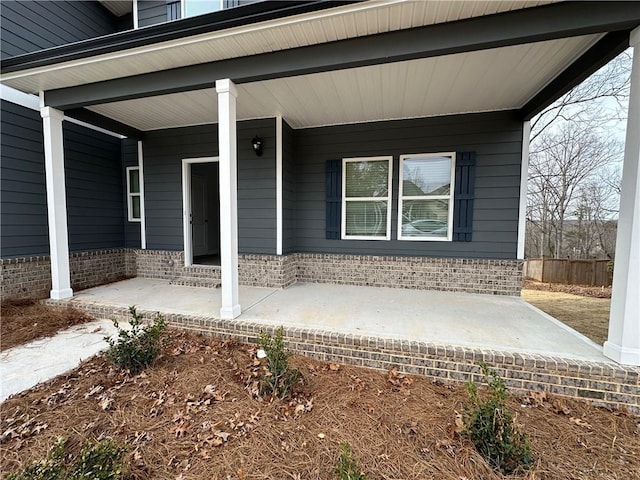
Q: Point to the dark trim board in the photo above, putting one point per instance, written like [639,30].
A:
[492,31]
[106,123]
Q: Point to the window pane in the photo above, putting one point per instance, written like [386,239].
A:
[426,176]
[198,7]
[425,218]
[134,181]
[135,207]
[367,179]
[367,219]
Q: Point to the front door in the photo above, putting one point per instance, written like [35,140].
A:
[199,215]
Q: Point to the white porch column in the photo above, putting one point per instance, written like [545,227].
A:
[56,202]
[623,344]
[227,94]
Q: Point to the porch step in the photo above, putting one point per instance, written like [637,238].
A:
[198,276]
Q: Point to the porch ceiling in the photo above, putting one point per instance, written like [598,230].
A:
[494,79]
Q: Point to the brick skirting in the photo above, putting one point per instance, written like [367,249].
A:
[496,277]
[30,277]
[602,383]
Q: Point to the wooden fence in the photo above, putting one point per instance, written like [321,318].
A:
[571,272]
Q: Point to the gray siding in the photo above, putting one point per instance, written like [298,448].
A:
[288,190]
[129,159]
[93,168]
[497,139]
[151,12]
[23,217]
[163,154]
[28,26]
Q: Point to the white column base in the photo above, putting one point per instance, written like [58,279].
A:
[61,294]
[623,355]
[229,313]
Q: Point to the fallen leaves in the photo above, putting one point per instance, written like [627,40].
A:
[399,382]
[580,422]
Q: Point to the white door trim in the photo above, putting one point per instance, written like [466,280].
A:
[186,204]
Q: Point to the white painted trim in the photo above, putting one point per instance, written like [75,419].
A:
[634,37]
[279,233]
[186,205]
[130,195]
[182,8]
[524,182]
[301,19]
[143,219]
[343,226]
[450,197]
[135,15]
[228,154]
[32,102]
[56,202]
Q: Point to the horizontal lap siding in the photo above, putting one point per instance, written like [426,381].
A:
[497,139]
[129,159]
[163,154]
[22,187]
[93,168]
[288,190]
[30,26]
[151,12]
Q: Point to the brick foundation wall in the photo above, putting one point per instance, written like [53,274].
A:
[30,277]
[602,383]
[497,277]
[270,271]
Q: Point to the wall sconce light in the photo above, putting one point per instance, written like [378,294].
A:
[256,143]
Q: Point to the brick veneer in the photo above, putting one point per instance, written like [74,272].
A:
[31,276]
[602,383]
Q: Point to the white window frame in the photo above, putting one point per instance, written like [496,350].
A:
[449,197]
[131,194]
[343,229]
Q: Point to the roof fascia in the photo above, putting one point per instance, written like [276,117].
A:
[605,50]
[187,27]
[500,30]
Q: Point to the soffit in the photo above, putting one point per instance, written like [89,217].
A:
[367,18]
[487,80]
[118,7]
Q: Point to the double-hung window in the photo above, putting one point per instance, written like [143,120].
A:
[366,198]
[425,201]
[133,194]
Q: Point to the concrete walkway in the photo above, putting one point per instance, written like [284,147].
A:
[498,323]
[24,366]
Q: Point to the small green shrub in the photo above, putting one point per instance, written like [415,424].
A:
[96,461]
[492,428]
[347,468]
[280,378]
[136,349]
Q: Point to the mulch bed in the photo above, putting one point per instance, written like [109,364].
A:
[195,415]
[581,290]
[24,320]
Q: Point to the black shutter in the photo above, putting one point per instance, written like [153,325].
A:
[463,196]
[333,169]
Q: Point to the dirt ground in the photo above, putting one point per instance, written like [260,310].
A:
[586,313]
[22,321]
[194,415]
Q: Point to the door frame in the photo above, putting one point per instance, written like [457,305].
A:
[186,204]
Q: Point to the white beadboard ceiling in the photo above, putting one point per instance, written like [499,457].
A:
[366,18]
[118,7]
[495,79]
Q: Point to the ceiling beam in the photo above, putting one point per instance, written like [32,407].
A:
[605,50]
[549,22]
[106,123]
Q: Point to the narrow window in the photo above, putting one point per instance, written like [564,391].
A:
[425,202]
[366,198]
[133,194]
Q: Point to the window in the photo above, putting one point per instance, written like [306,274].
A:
[425,201]
[366,198]
[133,194]
[200,7]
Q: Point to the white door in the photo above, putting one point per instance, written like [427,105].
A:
[199,215]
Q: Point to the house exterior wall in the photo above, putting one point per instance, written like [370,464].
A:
[151,12]
[28,26]
[288,190]
[163,154]
[129,154]
[495,137]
